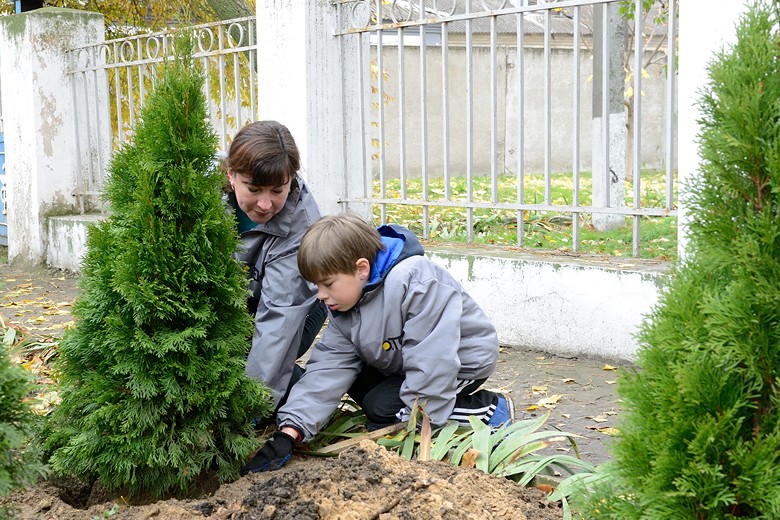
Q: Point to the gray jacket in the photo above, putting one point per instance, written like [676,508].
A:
[282,296]
[417,321]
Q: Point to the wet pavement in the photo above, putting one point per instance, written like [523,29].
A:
[579,393]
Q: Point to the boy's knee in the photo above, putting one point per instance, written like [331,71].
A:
[380,412]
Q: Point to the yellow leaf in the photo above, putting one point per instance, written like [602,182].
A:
[610,382]
[568,380]
[539,389]
[469,459]
[532,408]
[608,367]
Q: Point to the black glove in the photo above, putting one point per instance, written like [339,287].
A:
[272,456]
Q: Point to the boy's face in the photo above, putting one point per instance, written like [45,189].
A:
[341,291]
[260,203]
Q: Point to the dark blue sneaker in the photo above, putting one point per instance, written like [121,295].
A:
[504,414]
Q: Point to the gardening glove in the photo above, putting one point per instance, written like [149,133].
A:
[272,456]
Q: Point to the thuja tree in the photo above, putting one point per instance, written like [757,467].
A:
[154,393]
[18,467]
[701,438]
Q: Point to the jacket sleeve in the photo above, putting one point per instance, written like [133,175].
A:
[333,367]
[285,299]
[430,347]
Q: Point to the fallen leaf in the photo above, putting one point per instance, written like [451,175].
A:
[568,380]
[532,408]
[565,415]
[608,367]
[545,488]
[598,418]
[551,401]
[611,382]
[540,358]
[539,389]
[469,459]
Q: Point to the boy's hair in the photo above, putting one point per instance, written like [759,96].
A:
[265,151]
[333,245]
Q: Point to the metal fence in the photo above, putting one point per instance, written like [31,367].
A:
[113,78]
[455,165]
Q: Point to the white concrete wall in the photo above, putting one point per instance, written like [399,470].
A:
[704,30]
[562,87]
[38,112]
[560,305]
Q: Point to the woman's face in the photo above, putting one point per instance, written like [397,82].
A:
[260,203]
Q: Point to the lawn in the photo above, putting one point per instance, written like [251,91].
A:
[543,230]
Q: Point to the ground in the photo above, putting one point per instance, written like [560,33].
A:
[366,482]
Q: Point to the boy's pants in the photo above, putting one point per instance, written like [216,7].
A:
[379,397]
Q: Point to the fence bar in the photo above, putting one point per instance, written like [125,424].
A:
[445,41]
[605,104]
[671,94]
[118,92]
[637,148]
[520,145]
[547,108]
[469,128]
[575,217]
[401,112]
[493,113]
[424,124]
[365,145]
[221,61]
[381,108]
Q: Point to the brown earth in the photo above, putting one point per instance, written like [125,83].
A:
[365,482]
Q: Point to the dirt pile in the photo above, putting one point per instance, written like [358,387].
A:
[365,482]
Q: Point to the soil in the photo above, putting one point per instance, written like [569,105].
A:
[366,481]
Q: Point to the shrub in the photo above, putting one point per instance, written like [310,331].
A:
[154,393]
[701,438]
[18,467]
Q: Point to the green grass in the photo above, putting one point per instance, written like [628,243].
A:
[543,230]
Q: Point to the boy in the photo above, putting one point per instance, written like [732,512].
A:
[401,328]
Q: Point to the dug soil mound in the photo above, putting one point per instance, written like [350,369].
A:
[364,482]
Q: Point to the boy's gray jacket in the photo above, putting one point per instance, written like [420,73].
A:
[418,321]
[283,297]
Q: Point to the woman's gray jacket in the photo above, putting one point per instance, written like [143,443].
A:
[282,296]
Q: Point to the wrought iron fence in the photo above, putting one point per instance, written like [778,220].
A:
[113,78]
[490,120]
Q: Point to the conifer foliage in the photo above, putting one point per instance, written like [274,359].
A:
[702,435]
[154,393]
[17,424]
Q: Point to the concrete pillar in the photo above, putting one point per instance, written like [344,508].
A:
[42,159]
[303,68]
[703,32]
[608,183]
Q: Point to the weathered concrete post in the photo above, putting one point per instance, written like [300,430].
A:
[608,182]
[303,69]
[40,122]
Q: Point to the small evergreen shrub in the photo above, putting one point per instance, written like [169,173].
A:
[18,466]
[701,437]
[154,393]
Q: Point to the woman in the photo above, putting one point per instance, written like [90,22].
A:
[274,207]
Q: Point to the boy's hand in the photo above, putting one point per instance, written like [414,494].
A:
[275,454]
